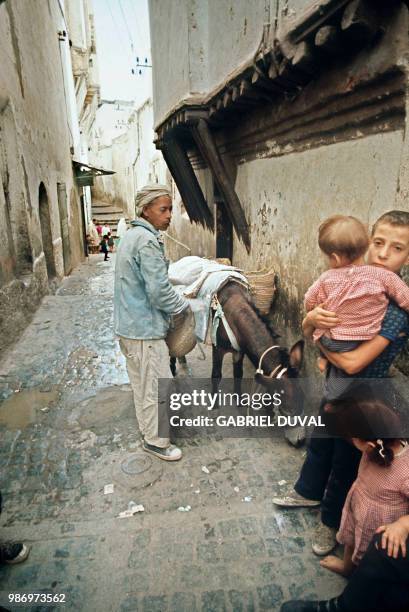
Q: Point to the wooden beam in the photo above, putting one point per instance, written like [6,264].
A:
[219,105]
[227,99]
[272,71]
[360,21]
[258,80]
[191,193]
[251,93]
[304,59]
[327,40]
[221,114]
[193,114]
[204,140]
[245,101]
[314,17]
[293,77]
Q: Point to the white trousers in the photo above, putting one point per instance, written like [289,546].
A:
[146,361]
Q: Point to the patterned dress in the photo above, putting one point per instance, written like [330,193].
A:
[379,495]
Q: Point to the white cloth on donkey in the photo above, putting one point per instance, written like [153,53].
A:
[199,279]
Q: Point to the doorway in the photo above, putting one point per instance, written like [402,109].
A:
[46,235]
[65,233]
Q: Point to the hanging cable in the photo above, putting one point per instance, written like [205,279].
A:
[120,37]
[126,26]
[135,14]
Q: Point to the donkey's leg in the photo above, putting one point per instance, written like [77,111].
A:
[183,368]
[217,365]
[173,366]
[237,371]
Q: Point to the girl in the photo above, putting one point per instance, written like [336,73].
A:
[380,494]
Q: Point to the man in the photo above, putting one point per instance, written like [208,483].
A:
[144,301]
[331,465]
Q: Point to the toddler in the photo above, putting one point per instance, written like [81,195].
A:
[380,494]
[357,292]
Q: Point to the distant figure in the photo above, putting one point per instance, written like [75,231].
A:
[111,242]
[94,236]
[106,230]
[122,228]
[98,227]
[104,247]
[88,242]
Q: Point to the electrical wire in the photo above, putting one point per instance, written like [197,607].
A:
[126,26]
[135,14]
[117,29]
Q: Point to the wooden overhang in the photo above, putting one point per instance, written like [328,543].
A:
[84,173]
[300,51]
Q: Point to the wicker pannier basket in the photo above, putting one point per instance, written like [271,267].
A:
[182,340]
[262,288]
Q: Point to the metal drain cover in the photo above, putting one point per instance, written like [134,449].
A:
[136,464]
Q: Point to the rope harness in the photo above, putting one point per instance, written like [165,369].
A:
[277,369]
[220,316]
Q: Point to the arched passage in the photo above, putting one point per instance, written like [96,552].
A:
[44,213]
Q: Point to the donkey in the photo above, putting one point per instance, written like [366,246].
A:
[258,342]
[254,337]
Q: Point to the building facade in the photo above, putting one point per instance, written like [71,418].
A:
[124,142]
[42,213]
[274,114]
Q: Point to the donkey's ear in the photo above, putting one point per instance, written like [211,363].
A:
[296,354]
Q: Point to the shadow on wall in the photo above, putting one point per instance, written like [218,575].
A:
[46,235]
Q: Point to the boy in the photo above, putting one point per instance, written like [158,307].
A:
[331,465]
[104,247]
[111,242]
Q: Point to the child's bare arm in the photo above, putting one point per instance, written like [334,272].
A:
[354,361]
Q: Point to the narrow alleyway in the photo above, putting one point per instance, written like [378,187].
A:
[68,429]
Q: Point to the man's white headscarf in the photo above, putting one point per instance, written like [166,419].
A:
[147,194]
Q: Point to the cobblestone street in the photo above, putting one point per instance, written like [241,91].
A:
[68,429]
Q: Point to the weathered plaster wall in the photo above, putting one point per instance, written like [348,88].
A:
[170,51]
[196,44]
[286,198]
[134,158]
[235,32]
[35,146]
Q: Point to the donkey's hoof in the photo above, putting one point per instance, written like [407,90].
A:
[295,436]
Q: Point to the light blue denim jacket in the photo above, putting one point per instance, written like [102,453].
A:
[144,299]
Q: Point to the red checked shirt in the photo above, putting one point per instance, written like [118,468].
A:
[379,495]
[359,295]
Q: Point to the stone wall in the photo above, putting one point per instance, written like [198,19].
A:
[35,156]
[339,146]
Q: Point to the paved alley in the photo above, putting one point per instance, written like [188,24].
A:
[68,429]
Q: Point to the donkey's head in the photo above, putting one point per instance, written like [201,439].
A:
[277,362]
[279,374]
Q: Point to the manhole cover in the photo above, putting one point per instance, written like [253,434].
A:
[136,464]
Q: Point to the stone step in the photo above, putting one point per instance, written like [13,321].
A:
[106,218]
[112,210]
